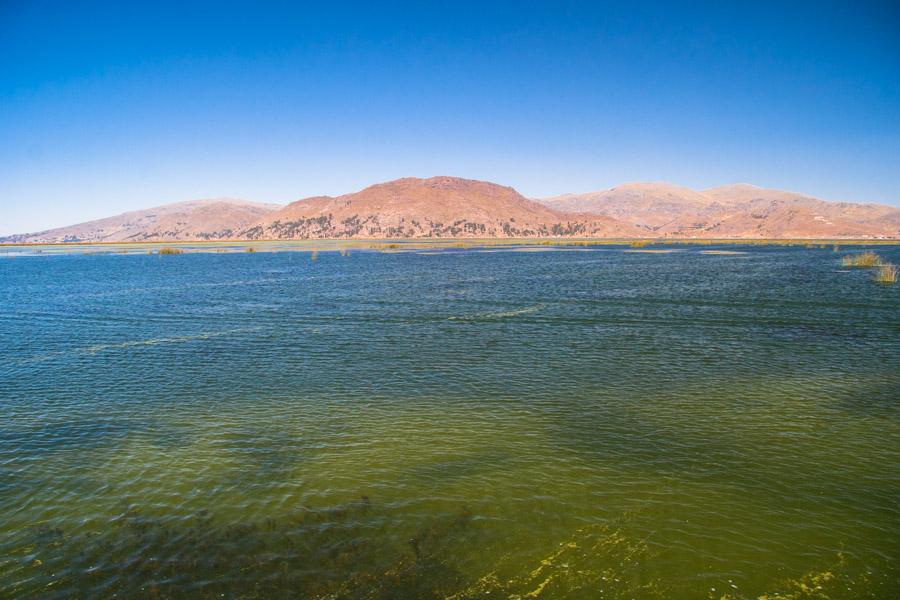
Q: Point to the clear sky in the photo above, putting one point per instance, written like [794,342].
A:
[113,106]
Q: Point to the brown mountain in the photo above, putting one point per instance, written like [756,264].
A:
[454,207]
[435,207]
[738,211]
[219,218]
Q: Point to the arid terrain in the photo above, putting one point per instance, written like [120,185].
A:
[738,211]
[451,207]
[215,219]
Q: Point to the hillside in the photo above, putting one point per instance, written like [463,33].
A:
[739,211]
[219,218]
[435,207]
[444,207]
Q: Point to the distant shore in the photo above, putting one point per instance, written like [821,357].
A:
[379,244]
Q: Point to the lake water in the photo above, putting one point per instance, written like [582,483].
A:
[456,423]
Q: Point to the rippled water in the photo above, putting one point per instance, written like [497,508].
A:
[454,423]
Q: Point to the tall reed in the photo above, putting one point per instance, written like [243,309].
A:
[864,260]
[886,274]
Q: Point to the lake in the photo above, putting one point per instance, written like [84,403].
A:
[449,423]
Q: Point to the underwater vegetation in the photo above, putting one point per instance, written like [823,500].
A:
[598,561]
[315,553]
[836,581]
[328,553]
[319,553]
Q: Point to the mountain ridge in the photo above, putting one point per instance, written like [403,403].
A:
[190,220]
[450,207]
[734,210]
[434,207]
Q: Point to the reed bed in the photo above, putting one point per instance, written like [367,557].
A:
[170,250]
[864,260]
[886,274]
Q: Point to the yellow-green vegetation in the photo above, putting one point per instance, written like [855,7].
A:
[597,560]
[886,274]
[863,260]
[250,249]
[833,582]
[171,250]
[639,243]
[345,251]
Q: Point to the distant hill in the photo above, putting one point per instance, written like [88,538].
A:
[739,211]
[435,207]
[454,207]
[219,218]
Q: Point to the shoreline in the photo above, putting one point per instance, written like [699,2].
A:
[459,242]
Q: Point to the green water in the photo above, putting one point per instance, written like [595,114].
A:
[589,423]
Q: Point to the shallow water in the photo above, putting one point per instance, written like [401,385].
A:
[449,423]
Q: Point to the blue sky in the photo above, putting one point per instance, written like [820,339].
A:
[107,107]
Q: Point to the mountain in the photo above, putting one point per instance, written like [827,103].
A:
[435,207]
[454,207]
[219,218]
[732,211]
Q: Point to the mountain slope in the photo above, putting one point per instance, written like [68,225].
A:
[738,210]
[219,218]
[455,207]
[435,207]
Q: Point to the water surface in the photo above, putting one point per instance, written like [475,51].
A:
[584,422]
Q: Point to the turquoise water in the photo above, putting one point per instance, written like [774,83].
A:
[454,423]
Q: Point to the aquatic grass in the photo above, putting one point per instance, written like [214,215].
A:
[830,583]
[345,251]
[639,243]
[250,249]
[170,250]
[886,274]
[863,260]
[596,557]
